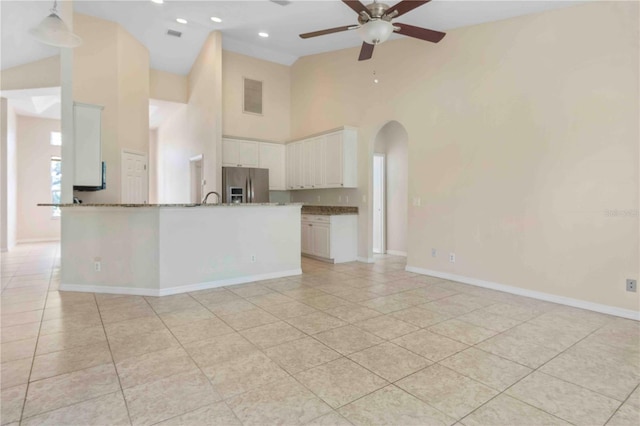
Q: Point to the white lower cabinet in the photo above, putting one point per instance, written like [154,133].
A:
[331,238]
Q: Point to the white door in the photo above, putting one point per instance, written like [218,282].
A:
[378,203]
[134,179]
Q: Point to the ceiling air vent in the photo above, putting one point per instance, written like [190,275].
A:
[174,33]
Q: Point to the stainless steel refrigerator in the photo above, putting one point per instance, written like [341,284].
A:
[245,185]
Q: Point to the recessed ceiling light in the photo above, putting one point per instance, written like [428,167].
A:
[181,20]
[157,1]
[265,35]
[216,19]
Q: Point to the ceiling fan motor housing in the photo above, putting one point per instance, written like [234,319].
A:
[376,11]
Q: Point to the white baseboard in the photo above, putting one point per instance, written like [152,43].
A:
[365,259]
[397,253]
[37,240]
[562,300]
[137,291]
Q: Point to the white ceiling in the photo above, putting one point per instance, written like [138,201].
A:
[242,20]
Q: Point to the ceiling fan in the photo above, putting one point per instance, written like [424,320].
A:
[375,26]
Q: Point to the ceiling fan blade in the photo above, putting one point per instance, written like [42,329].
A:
[328,31]
[366,52]
[417,32]
[403,7]
[357,6]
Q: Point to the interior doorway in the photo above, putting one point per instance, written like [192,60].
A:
[195,170]
[390,190]
[135,181]
[379,204]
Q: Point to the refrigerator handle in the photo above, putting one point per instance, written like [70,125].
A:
[246,188]
[253,194]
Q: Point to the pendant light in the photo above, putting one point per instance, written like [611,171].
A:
[53,31]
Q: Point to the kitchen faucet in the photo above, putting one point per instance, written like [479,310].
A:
[207,196]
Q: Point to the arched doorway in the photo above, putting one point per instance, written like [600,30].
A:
[390,189]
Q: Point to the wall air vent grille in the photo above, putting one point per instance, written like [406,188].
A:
[174,33]
[252,96]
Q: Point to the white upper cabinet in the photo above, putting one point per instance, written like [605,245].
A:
[297,159]
[87,123]
[272,157]
[326,161]
[240,153]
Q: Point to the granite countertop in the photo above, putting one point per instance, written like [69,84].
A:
[329,210]
[172,205]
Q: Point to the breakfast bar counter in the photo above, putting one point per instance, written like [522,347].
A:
[162,249]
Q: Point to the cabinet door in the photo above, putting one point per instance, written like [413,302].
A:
[272,158]
[298,182]
[334,160]
[318,180]
[308,163]
[248,154]
[289,165]
[321,240]
[229,153]
[307,235]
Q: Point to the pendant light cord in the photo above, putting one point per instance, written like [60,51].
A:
[55,7]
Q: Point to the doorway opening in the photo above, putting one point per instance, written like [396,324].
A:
[379,204]
[390,195]
[195,170]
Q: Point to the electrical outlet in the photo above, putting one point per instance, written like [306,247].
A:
[318,198]
[346,198]
[364,198]
[434,252]
[452,257]
[339,198]
[632,285]
[253,258]
[97,265]
[417,201]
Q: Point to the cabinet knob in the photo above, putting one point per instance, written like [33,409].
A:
[342,184]
[310,224]
[239,165]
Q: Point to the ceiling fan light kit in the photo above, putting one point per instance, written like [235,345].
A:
[375,31]
[53,31]
[375,24]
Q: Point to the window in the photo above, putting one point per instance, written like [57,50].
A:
[56,139]
[56,179]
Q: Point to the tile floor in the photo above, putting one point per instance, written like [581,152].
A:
[341,344]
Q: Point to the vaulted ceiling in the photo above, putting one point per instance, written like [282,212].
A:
[241,22]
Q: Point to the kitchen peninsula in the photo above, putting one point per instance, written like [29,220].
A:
[163,249]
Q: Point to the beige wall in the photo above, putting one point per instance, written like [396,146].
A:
[111,69]
[8,175]
[193,130]
[523,134]
[34,179]
[167,86]
[274,123]
[37,74]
